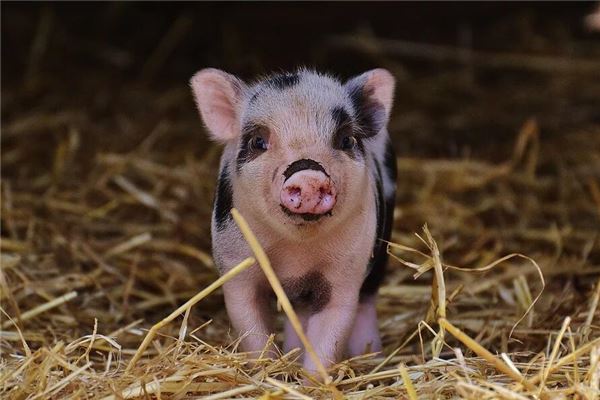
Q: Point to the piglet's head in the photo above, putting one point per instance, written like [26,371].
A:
[298,146]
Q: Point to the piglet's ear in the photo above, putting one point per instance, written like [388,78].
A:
[372,95]
[218,97]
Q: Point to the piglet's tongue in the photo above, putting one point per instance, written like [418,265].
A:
[308,192]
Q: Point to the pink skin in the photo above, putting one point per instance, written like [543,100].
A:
[364,337]
[292,341]
[329,330]
[365,334]
[308,192]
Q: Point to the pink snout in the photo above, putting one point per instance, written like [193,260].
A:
[308,192]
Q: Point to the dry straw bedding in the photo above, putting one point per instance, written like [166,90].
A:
[489,300]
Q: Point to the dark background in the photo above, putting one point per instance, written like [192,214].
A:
[102,51]
[253,38]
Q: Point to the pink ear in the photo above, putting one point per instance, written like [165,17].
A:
[218,96]
[372,95]
[380,83]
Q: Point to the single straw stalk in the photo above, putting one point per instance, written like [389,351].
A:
[438,292]
[265,264]
[231,393]
[42,308]
[410,389]
[248,262]
[554,352]
[585,331]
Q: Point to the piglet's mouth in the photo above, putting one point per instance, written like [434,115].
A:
[308,217]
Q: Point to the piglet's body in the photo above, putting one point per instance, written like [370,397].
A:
[309,164]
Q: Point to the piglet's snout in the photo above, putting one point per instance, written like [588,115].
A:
[308,192]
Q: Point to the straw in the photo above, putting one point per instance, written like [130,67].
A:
[482,352]
[187,305]
[42,308]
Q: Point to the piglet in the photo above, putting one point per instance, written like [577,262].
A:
[308,162]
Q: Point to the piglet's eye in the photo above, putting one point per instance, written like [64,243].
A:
[348,142]
[258,143]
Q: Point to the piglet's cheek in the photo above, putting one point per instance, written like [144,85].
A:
[275,189]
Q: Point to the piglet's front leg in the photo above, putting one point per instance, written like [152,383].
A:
[329,329]
[365,332]
[249,313]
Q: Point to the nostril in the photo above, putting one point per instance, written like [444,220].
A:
[293,196]
[323,190]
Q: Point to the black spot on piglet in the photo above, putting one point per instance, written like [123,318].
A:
[300,165]
[370,114]
[390,161]
[223,199]
[311,291]
[341,118]
[283,81]
[344,127]
[385,220]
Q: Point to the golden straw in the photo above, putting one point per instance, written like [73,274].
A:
[484,353]
[410,389]
[555,349]
[42,308]
[208,290]
[567,359]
